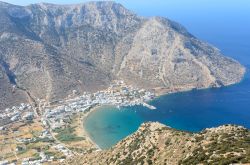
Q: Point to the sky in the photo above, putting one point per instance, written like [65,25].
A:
[152,4]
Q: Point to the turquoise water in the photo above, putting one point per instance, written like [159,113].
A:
[107,125]
[193,110]
[190,111]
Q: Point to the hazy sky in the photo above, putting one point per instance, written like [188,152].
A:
[160,4]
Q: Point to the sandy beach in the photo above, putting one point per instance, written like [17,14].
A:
[84,132]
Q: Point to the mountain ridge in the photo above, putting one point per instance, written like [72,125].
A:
[55,49]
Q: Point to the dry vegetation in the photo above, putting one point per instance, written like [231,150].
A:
[155,143]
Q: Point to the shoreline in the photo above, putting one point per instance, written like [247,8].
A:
[83,120]
[84,131]
[157,96]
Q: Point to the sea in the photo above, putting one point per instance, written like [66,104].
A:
[193,111]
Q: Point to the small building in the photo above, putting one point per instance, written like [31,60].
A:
[28,116]
[14,118]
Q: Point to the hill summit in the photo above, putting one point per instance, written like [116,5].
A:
[49,50]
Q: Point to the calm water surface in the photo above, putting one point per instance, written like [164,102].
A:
[191,111]
[194,110]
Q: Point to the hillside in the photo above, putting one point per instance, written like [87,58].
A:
[154,143]
[49,50]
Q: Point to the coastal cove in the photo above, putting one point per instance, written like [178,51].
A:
[190,111]
[119,82]
[193,110]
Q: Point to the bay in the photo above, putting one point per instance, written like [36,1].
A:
[197,109]
[190,111]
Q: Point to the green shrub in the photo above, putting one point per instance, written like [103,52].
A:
[67,135]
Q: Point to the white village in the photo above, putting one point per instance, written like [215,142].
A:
[56,115]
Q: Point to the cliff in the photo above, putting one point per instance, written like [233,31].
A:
[51,50]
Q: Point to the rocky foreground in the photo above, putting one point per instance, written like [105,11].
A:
[47,51]
[154,143]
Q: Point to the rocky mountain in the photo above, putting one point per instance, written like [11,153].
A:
[154,143]
[48,50]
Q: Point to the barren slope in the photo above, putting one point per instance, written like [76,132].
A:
[154,143]
[54,49]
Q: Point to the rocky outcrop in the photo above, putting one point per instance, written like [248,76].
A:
[154,143]
[54,49]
